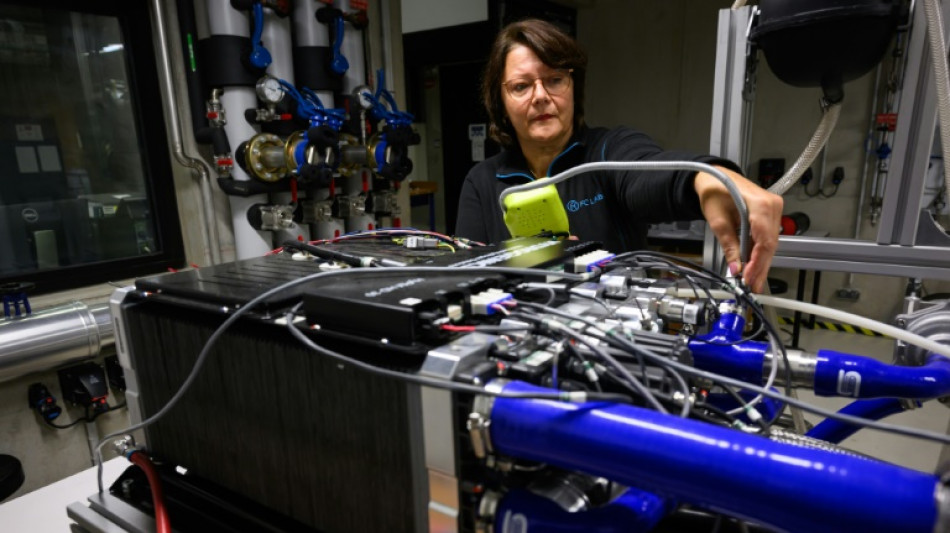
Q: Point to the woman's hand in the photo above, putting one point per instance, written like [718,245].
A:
[765,217]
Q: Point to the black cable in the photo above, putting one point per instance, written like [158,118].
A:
[833,192]
[761,422]
[580,356]
[85,417]
[616,364]
[854,420]
[742,296]
[641,389]
[262,297]
[601,301]
[436,382]
[725,417]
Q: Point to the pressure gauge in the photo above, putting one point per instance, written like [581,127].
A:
[269,90]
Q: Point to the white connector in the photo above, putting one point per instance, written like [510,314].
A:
[421,243]
[454,312]
[483,303]
[591,260]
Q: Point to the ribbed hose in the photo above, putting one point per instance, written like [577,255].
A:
[803,441]
[938,51]
[817,142]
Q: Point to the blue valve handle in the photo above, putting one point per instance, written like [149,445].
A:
[393,117]
[310,108]
[259,57]
[338,64]
[744,475]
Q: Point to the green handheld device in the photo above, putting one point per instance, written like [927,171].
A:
[534,212]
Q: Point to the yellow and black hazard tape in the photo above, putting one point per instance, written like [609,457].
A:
[831,326]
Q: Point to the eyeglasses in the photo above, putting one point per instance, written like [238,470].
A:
[554,84]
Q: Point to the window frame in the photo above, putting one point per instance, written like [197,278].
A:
[134,19]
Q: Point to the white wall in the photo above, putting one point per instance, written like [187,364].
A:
[419,15]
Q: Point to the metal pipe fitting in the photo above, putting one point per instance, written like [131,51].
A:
[53,337]
[801,366]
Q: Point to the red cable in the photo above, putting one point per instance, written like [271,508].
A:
[139,459]
[449,327]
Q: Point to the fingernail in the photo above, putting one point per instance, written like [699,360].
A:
[733,268]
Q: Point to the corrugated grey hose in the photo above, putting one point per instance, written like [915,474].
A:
[744,241]
[938,50]
[817,142]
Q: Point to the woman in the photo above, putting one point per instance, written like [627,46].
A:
[533,89]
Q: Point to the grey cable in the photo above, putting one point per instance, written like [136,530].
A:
[744,242]
[911,432]
[634,382]
[241,311]
[630,378]
[417,379]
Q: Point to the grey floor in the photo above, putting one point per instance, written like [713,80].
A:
[933,416]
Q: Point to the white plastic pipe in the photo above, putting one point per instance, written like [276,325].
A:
[857,320]
[834,314]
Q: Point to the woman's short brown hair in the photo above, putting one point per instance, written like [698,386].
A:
[553,47]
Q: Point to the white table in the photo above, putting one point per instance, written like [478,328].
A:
[44,509]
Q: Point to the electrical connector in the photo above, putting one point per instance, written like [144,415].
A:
[806,176]
[454,312]
[589,261]
[483,303]
[837,176]
[421,243]
[40,399]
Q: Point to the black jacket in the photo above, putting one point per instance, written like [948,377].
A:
[612,207]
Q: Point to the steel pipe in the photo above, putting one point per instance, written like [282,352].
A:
[53,337]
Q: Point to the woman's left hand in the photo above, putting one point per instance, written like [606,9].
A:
[765,217]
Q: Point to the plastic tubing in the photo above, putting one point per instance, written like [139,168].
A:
[817,142]
[938,51]
[856,320]
[773,483]
[744,242]
[139,459]
[835,431]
